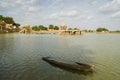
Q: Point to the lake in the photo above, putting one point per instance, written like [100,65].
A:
[20,56]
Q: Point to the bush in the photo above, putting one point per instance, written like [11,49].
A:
[56,28]
[35,28]
[101,29]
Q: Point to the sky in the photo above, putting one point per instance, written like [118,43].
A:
[82,14]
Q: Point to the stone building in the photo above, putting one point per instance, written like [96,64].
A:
[2,26]
[26,29]
[63,26]
[9,26]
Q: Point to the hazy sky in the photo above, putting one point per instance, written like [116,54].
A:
[83,14]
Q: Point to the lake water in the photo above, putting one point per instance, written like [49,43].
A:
[20,56]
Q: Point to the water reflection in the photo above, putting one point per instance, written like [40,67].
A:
[63,41]
[6,43]
[20,56]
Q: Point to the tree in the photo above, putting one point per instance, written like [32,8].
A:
[42,27]
[73,28]
[1,18]
[100,29]
[117,30]
[8,20]
[76,29]
[16,24]
[56,28]
[51,26]
[35,28]
[69,28]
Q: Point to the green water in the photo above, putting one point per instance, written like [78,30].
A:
[20,56]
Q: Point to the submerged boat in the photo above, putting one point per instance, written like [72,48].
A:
[76,67]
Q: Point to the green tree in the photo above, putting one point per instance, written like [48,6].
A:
[8,20]
[42,27]
[76,29]
[117,31]
[1,18]
[51,26]
[73,29]
[56,28]
[100,29]
[16,24]
[69,28]
[36,28]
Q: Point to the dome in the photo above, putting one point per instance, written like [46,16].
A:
[27,25]
[63,24]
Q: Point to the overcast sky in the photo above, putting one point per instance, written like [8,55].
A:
[83,14]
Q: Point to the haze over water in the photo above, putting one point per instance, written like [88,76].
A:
[20,56]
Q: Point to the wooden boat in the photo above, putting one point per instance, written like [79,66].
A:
[77,66]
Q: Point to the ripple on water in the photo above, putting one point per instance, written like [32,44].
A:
[20,57]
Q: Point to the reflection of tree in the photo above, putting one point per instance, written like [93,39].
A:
[6,43]
[26,40]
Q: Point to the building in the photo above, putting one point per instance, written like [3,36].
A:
[26,29]
[2,25]
[63,26]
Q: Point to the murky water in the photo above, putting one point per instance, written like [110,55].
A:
[20,56]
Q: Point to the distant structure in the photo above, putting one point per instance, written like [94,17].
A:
[63,26]
[6,28]
[64,31]
[26,29]
[2,26]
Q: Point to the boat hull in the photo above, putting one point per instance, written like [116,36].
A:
[77,67]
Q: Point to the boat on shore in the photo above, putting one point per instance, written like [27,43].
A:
[76,67]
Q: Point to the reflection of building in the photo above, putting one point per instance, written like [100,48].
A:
[63,26]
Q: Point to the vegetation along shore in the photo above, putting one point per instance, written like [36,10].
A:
[8,25]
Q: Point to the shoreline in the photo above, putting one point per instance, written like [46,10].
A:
[58,32]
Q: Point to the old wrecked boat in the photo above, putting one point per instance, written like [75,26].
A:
[76,67]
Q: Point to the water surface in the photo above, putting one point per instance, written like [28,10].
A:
[20,56]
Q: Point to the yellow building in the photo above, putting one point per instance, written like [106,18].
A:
[63,26]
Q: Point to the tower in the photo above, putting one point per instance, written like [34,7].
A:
[63,26]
